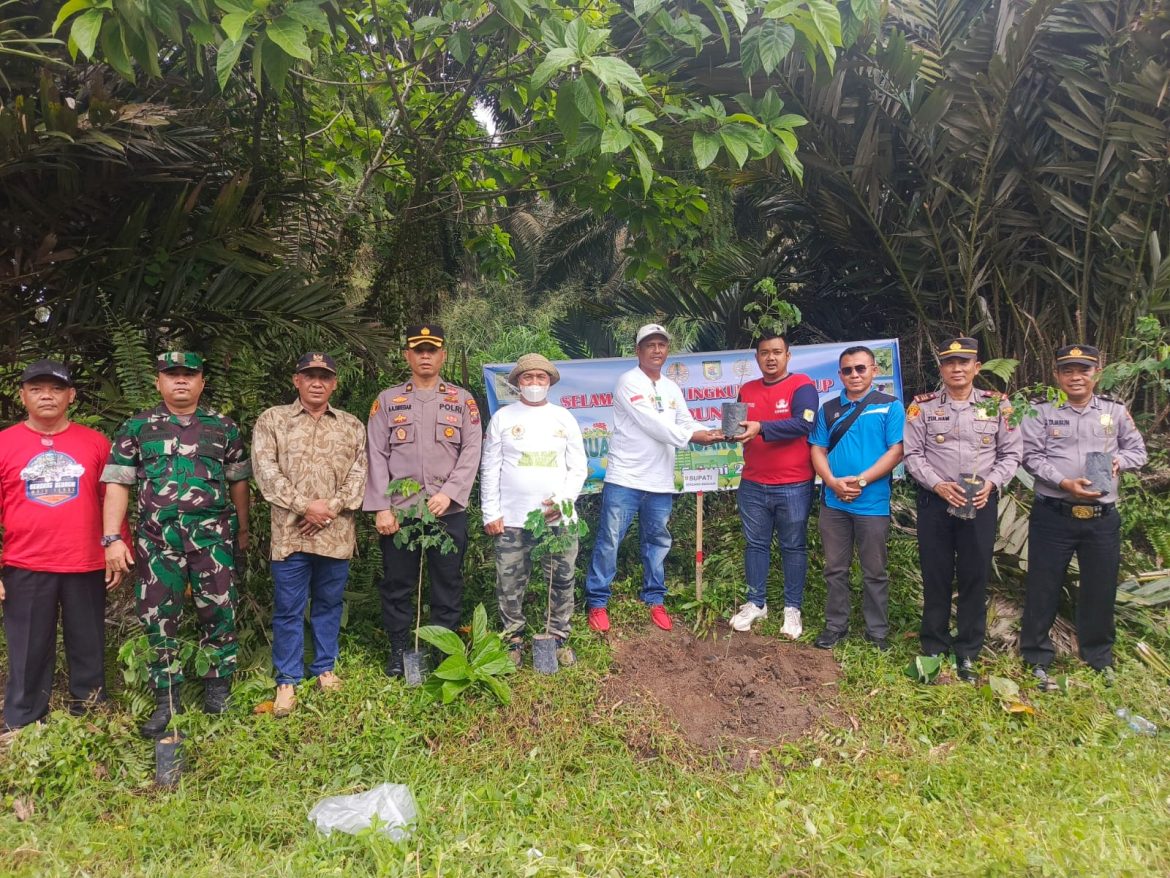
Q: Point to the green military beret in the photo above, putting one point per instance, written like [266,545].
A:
[179,360]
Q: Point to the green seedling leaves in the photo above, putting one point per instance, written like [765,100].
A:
[925,668]
[478,665]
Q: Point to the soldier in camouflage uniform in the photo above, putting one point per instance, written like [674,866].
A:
[187,462]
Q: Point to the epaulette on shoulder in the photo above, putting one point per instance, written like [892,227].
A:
[994,394]
[926,397]
[1111,399]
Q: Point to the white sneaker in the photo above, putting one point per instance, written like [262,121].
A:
[792,628]
[748,613]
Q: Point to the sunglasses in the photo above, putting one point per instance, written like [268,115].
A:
[849,370]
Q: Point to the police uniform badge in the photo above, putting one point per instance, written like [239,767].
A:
[400,419]
[451,419]
[449,432]
[913,411]
[399,399]
[401,434]
[374,408]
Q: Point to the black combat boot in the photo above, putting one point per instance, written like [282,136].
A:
[216,693]
[394,665]
[166,705]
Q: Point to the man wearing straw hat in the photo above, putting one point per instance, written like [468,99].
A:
[533,458]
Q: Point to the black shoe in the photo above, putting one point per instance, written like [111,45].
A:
[965,669]
[217,692]
[164,700]
[827,639]
[395,665]
[881,644]
[1043,682]
[82,707]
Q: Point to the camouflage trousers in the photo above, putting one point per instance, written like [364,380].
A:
[513,567]
[169,557]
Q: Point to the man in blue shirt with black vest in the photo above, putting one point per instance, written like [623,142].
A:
[855,444]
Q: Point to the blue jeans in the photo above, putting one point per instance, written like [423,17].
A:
[783,510]
[619,505]
[294,579]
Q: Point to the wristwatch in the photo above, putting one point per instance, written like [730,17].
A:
[109,539]
[861,483]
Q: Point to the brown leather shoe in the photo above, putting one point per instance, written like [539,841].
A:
[286,700]
[329,681]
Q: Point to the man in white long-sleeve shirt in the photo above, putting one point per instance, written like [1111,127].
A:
[533,459]
[650,422]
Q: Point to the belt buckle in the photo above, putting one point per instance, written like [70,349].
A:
[1084,512]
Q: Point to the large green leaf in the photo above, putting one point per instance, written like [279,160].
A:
[290,35]
[442,638]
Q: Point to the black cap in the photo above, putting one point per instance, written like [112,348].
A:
[47,369]
[1081,354]
[961,346]
[424,333]
[316,360]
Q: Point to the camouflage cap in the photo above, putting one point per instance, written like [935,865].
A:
[179,360]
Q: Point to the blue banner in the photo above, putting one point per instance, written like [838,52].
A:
[707,381]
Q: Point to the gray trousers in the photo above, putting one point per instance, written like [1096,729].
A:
[514,566]
[840,533]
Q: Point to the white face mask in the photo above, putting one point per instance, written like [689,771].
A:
[534,393]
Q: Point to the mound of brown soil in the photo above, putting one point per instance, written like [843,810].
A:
[730,692]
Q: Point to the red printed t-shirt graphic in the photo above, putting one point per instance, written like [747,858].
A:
[779,461]
[51,500]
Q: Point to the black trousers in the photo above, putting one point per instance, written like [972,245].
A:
[953,549]
[400,580]
[1052,540]
[30,626]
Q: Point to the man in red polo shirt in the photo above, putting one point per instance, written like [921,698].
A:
[775,491]
[53,561]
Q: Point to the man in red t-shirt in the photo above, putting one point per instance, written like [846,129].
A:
[776,488]
[51,512]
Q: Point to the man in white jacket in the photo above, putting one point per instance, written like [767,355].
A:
[533,459]
[650,422]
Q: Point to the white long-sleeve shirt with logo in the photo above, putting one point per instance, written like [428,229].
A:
[530,453]
[650,421]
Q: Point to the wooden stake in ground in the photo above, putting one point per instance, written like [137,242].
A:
[699,546]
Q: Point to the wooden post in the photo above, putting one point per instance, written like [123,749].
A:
[699,546]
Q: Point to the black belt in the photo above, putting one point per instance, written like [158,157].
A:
[1077,510]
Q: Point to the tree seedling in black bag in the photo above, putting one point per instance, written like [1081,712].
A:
[419,530]
[552,538]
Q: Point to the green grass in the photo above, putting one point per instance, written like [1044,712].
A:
[909,779]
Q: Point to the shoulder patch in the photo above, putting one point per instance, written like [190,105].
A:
[925,397]
[913,411]
[374,408]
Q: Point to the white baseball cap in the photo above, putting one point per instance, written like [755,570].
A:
[651,329]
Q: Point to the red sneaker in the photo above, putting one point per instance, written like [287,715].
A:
[599,619]
[659,617]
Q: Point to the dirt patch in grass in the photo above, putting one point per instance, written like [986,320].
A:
[733,692]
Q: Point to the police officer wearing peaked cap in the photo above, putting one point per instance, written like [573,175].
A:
[1071,514]
[427,430]
[958,431]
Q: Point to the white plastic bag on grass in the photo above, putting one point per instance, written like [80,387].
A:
[391,803]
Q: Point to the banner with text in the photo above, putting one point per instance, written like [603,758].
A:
[707,380]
